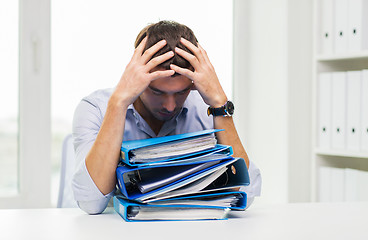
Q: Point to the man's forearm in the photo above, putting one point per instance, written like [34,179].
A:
[230,136]
[103,157]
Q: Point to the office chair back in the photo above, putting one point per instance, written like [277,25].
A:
[66,197]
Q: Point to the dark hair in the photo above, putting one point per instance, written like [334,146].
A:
[172,32]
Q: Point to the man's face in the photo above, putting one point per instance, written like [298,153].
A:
[164,97]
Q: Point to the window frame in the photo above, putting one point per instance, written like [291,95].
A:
[34,107]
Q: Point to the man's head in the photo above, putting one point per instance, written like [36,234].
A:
[164,97]
[172,32]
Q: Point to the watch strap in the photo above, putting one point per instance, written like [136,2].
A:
[226,110]
[216,111]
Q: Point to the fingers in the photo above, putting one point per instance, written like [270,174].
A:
[161,74]
[159,59]
[195,50]
[189,57]
[145,58]
[205,56]
[139,50]
[147,55]
[182,71]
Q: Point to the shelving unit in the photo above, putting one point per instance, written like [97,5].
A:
[332,63]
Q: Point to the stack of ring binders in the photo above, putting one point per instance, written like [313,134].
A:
[189,177]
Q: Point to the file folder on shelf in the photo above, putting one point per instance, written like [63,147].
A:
[339,110]
[327,27]
[357,25]
[353,110]
[324,110]
[341,26]
[324,187]
[156,150]
[337,184]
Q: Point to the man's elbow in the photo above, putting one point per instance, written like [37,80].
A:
[91,207]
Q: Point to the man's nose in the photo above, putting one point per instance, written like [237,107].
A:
[169,103]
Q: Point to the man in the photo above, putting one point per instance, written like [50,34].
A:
[166,89]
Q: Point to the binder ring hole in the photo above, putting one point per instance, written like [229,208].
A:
[233,170]
[324,129]
[326,35]
[354,31]
[338,130]
[353,130]
[340,33]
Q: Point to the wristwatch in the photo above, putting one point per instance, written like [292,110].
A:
[226,110]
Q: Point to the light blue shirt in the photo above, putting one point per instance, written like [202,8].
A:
[88,118]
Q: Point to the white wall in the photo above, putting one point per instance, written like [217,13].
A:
[265,80]
[300,53]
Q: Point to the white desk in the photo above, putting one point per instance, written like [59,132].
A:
[346,221]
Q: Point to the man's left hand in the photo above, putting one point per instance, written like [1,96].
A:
[203,76]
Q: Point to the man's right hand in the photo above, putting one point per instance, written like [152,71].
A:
[103,157]
[139,72]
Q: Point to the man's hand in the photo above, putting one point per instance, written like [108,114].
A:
[138,74]
[204,76]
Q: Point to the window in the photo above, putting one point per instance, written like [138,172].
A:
[93,41]
[25,99]
[9,97]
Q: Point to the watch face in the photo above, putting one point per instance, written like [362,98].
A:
[230,108]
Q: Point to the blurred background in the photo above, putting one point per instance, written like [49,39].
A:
[267,54]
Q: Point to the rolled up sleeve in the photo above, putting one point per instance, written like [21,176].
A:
[86,193]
